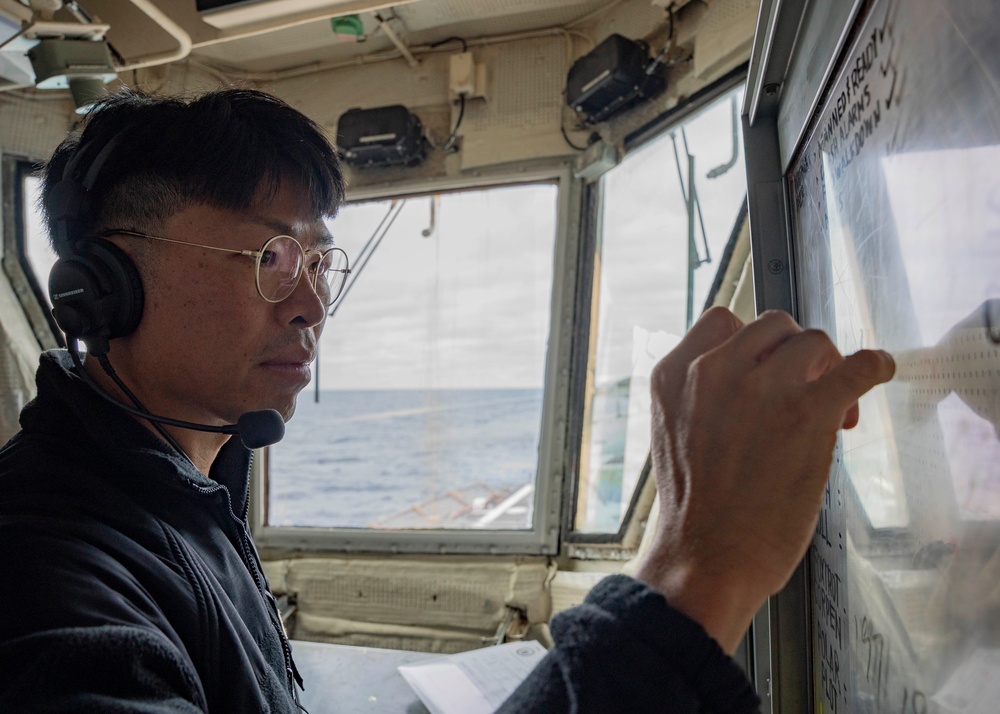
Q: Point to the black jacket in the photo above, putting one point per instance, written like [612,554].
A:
[129,579]
[625,650]
[130,583]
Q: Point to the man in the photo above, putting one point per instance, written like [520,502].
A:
[130,580]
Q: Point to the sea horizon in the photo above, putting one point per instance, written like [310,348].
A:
[363,456]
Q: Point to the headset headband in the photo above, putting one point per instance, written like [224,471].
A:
[69,199]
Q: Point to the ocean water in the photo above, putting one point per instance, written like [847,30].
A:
[365,458]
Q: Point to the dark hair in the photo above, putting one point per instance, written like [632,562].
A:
[228,149]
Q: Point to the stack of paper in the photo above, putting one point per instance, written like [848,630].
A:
[475,682]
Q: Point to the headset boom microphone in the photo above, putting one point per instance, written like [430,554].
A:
[256,429]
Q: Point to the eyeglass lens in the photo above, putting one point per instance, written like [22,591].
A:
[280,264]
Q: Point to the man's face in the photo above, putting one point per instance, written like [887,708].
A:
[209,348]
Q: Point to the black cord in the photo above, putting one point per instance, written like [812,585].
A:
[110,371]
[566,137]
[74,352]
[465,45]
[450,142]
[666,48]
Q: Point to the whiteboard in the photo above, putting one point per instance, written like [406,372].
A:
[894,201]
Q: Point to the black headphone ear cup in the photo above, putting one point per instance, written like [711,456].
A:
[132,297]
[96,293]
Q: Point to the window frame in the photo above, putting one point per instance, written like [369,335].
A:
[623,543]
[544,536]
[28,288]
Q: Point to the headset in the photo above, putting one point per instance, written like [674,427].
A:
[94,286]
[97,295]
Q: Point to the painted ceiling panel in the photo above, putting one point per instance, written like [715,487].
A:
[418,23]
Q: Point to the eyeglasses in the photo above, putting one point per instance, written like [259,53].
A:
[279,266]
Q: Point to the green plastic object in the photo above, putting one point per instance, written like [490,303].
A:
[348,27]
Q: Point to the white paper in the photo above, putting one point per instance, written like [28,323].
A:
[475,682]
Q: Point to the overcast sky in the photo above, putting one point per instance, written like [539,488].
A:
[645,253]
[468,307]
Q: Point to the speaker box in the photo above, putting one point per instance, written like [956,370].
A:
[611,78]
[385,136]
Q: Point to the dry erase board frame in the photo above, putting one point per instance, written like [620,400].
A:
[796,74]
[893,208]
[794,54]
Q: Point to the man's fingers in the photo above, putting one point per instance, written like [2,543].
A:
[805,356]
[840,388]
[712,329]
[811,355]
[760,338]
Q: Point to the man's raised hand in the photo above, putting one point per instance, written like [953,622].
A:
[745,419]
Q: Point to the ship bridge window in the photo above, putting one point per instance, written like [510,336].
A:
[669,210]
[39,253]
[28,255]
[426,408]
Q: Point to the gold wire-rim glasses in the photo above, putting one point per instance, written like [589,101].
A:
[258,255]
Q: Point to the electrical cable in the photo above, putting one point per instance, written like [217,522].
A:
[658,60]
[465,45]
[562,128]
[450,141]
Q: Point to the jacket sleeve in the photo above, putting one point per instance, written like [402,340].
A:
[109,668]
[626,650]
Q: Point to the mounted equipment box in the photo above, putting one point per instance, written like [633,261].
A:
[385,136]
[614,76]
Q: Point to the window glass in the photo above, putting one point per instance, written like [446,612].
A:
[425,409]
[36,236]
[652,278]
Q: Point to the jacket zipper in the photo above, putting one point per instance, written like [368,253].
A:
[290,668]
[290,673]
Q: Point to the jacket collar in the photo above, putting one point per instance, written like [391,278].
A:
[66,406]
